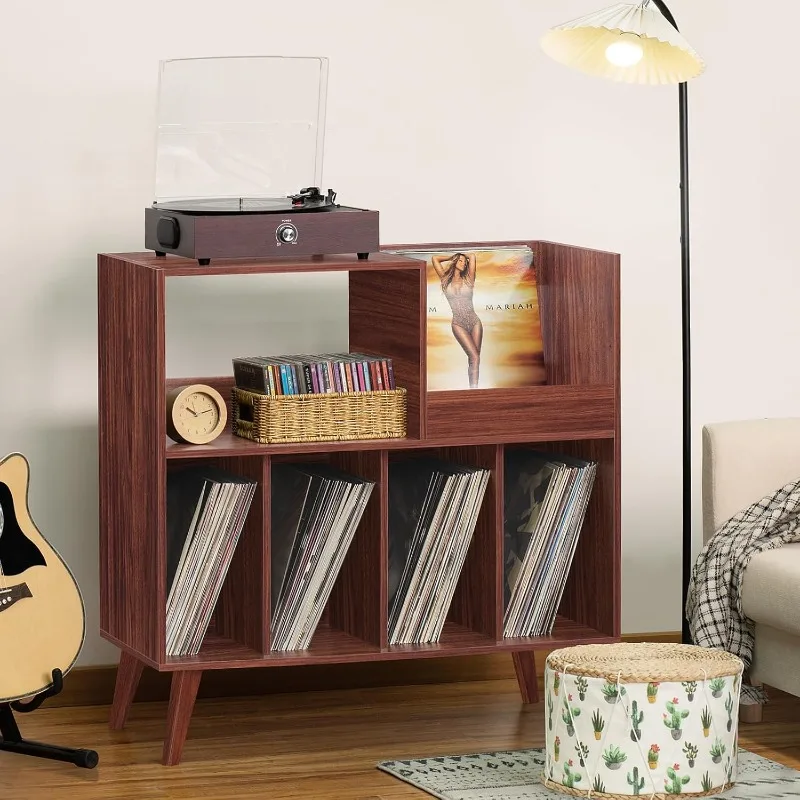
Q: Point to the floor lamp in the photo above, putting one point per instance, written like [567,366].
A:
[640,43]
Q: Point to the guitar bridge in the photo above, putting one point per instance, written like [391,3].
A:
[13,595]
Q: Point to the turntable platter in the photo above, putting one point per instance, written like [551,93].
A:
[306,200]
[226,205]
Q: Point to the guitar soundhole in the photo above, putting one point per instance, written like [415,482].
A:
[17,552]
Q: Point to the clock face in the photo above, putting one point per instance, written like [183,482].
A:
[197,415]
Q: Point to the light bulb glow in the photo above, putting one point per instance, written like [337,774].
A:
[626,51]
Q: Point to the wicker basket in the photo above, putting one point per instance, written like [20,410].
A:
[277,419]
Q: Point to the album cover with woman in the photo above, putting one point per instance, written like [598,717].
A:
[484,329]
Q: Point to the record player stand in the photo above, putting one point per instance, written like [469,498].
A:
[576,413]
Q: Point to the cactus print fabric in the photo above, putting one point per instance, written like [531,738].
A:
[640,739]
[517,775]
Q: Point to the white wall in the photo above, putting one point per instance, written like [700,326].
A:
[447,118]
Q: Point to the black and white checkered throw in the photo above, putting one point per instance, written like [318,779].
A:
[714,602]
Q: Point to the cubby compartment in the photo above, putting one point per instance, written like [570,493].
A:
[350,620]
[471,612]
[589,603]
[237,627]
[579,314]
[386,317]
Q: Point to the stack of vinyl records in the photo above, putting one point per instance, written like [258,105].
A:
[545,499]
[315,512]
[206,510]
[433,510]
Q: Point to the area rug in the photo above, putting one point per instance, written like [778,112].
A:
[516,775]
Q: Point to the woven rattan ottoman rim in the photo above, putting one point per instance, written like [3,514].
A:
[645,662]
[558,787]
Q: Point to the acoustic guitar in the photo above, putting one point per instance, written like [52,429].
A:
[42,616]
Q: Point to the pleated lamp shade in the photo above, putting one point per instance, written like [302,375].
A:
[629,42]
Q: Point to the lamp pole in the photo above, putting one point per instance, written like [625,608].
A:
[683,117]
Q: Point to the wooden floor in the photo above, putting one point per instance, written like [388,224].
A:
[315,745]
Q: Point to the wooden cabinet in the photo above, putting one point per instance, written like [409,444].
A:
[577,412]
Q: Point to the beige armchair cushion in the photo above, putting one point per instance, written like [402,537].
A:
[771,589]
[742,462]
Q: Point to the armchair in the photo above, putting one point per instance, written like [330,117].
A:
[742,462]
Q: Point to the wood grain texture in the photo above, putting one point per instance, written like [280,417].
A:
[525,669]
[132,498]
[388,317]
[499,563]
[95,685]
[474,603]
[347,230]
[578,412]
[527,413]
[320,745]
[333,646]
[179,714]
[242,607]
[613,500]
[129,672]
[230,445]
[355,602]
[176,266]
[326,232]
[266,516]
[215,653]
[579,298]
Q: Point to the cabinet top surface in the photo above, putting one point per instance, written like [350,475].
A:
[177,265]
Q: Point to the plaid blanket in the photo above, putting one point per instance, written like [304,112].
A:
[714,600]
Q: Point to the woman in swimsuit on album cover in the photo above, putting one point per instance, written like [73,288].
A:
[457,277]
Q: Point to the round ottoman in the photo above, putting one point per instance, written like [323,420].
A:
[652,720]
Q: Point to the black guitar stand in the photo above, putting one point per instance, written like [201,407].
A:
[11,739]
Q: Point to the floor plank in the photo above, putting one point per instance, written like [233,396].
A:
[318,744]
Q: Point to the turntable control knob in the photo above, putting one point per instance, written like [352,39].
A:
[287,233]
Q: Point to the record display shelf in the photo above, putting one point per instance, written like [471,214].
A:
[576,413]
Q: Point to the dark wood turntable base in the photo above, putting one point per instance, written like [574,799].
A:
[329,231]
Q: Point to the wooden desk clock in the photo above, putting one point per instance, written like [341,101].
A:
[196,414]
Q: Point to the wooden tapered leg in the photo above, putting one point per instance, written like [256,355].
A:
[181,704]
[129,672]
[525,667]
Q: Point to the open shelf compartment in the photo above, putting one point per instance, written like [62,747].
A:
[237,630]
[591,597]
[351,619]
[579,317]
[472,612]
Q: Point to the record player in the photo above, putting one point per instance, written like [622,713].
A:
[239,163]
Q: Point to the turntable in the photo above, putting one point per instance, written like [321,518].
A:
[239,163]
